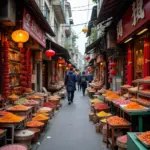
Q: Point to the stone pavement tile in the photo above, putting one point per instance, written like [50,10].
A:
[71,129]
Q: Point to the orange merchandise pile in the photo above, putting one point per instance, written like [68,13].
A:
[134,106]
[19,107]
[40,117]
[13,97]
[11,118]
[115,120]
[108,93]
[145,137]
[35,124]
[34,97]
[113,96]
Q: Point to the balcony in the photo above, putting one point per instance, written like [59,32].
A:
[68,31]
[59,11]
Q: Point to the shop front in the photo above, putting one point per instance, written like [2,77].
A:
[133,33]
[35,45]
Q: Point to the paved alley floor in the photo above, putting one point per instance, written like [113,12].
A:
[71,129]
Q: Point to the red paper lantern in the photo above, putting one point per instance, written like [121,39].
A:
[69,65]
[113,72]
[113,64]
[87,58]
[50,53]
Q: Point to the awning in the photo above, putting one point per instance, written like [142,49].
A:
[41,20]
[60,51]
[93,45]
[112,9]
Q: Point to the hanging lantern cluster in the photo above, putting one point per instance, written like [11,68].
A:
[112,71]
[20,37]
[50,53]
[23,75]
[6,70]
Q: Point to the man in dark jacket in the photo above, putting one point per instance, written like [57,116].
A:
[70,83]
[83,81]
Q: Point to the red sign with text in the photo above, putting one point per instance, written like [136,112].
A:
[136,16]
[30,25]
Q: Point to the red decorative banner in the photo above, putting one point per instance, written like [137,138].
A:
[135,17]
[30,25]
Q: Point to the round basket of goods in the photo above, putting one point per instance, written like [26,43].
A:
[122,142]
[13,97]
[35,124]
[41,117]
[14,147]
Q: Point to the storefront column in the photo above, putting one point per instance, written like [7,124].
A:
[146,70]
[129,66]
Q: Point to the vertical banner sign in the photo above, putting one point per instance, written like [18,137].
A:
[30,25]
[135,17]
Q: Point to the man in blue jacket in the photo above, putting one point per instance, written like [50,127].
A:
[70,83]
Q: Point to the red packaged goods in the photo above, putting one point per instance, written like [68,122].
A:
[122,139]
[101,107]
[121,102]
[49,104]
[144,101]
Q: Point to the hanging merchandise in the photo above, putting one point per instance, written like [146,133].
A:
[113,72]
[24,74]
[6,70]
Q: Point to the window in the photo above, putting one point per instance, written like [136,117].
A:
[47,12]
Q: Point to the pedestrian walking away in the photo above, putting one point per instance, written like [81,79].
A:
[79,81]
[70,83]
[83,82]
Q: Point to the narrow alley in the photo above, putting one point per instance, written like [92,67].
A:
[71,129]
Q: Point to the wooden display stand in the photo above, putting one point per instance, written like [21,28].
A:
[11,128]
[112,139]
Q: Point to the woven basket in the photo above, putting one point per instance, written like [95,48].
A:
[101,126]
[122,145]
[97,128]
[95,119]
[91,116]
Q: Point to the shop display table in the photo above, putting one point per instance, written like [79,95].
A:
[3,138]
[133,143]
[11,128]
[111,139]
[27,113]
[139,115]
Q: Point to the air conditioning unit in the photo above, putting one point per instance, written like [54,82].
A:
[8,12]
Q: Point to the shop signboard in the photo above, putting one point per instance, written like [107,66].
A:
[111,39]
[30,25]
[135,17]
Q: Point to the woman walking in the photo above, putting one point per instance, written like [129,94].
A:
[83,81]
